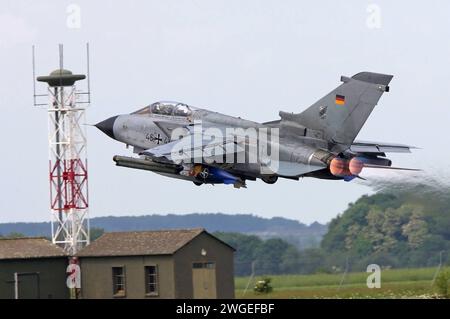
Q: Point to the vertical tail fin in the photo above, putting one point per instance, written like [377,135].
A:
[340,115]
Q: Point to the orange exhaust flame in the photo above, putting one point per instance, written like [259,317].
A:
[355,166]
[342,167]
[339,167]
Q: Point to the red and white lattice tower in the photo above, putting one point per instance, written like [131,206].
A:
[68,171]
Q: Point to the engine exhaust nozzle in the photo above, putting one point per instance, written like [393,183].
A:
[355,166]
[339,167]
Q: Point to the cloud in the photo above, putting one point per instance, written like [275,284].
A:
[14,30]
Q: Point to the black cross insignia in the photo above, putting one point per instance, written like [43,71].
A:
[158,139]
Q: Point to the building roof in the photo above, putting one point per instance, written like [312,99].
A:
[141,243]
[25,248]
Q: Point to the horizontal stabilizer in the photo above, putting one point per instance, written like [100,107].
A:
[390,167]
[376,147]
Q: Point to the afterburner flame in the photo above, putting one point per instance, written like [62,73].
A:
[355,166]
[339,167]
[342,167]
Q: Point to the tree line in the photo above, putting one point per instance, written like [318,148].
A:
[393,230]
[397,229]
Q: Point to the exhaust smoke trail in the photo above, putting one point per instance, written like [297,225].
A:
[430,184]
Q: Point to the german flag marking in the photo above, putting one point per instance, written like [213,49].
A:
[340,99]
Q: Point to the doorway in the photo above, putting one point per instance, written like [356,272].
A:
[204,280]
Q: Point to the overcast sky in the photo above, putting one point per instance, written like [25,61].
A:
[244,58]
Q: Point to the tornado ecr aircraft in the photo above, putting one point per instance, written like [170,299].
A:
[180,141]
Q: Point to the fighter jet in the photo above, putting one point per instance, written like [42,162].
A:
[205,147]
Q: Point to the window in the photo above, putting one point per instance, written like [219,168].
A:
[166,108]
[170,108]
[182,110]
[151,280]
[209,265]
[163,108]
[118,274]
[144,111]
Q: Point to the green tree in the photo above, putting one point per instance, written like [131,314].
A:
[246,250]
[408,228]
[311,260]
[290,261]
[416,229]
[269,255]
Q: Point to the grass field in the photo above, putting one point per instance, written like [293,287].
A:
[395,283]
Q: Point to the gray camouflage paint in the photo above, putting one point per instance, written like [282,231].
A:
[308,141]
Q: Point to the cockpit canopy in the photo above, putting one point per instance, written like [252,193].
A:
[166,108]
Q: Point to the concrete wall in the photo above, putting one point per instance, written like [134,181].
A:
[96,276]
[216,252]
[52,273]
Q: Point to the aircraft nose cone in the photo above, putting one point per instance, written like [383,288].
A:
[107,126]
